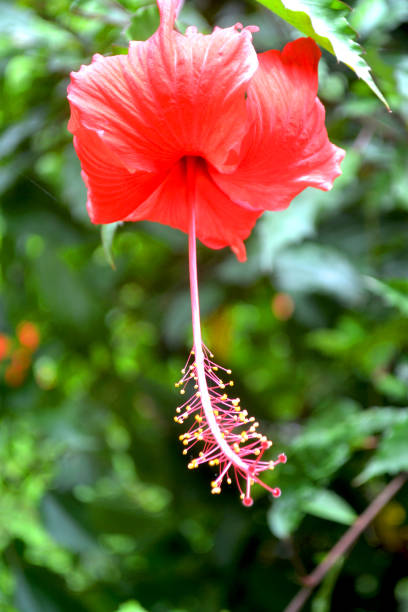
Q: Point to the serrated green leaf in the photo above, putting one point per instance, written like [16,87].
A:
[326,22]
[107,234]
[328,505]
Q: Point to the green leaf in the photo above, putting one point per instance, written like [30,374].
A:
[64,527]
[326,22]
[285,515]
[328,505]
[391,456]
[131,606]
[107,234]
[395,293]
[309,268]
[144,22]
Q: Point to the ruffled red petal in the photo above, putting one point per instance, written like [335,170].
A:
[219,221]
[113,192]
[287,148]
[171,96]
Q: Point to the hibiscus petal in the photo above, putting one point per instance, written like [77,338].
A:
[113,192]
[219,221]
[287,148]
[171,96]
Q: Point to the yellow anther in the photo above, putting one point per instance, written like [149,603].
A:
[198,394]
[229,480]
[257,452]
[216,490]
[237,409]
[215,368]
[216,413]
[185,442]
[252,419]
[211,355]
[176,419]
[214,483]
[235,402]
[222,386]
[183,371]
[229,371]
[177,384]
[185,451]
[224,397]
[236,448]
[216,462]
[181,437]
[201,454]
[198,418]
[271,465]
[178,409]
[195,386]
[182,391]
[231,383]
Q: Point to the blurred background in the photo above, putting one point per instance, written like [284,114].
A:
[98,511]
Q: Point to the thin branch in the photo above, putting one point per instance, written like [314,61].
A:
[346,541]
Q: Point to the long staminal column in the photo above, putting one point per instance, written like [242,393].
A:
[219,421]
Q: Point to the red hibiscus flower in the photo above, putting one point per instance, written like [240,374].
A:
[252,123]
[202,134]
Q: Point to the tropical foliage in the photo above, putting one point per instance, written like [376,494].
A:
[98,511]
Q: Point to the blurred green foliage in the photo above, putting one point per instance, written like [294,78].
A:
[98,511]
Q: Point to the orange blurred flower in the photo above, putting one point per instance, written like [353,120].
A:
[28,335]
[5,345]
